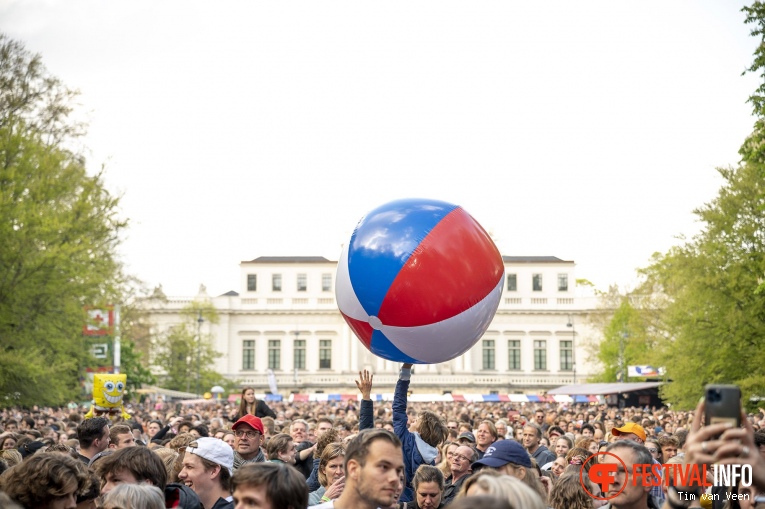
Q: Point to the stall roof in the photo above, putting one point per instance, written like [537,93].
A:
[603,389]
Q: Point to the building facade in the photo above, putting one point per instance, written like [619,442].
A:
[285,319]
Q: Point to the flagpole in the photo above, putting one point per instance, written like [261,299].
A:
[116,339]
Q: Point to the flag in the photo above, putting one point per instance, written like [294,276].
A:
[100,321]
[272,382]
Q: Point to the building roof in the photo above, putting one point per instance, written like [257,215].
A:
[289,259]
[533,259]
[230,293]
[603,389]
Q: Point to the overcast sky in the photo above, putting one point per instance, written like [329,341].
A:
[583,130]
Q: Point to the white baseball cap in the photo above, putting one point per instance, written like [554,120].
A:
[215,450]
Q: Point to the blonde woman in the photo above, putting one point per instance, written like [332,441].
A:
[447,451]
[331,475]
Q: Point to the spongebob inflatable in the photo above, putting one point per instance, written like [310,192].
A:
[107,396]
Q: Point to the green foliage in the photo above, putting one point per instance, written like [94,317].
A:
[627,340]
[713,316]
[59,230]
[184,353]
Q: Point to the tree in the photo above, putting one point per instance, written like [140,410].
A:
[183,352]
[59,232]
[713,314]
[710,288]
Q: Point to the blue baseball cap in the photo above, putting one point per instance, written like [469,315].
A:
[503,452]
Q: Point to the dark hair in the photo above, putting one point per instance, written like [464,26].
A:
[92,489]
[277,444]
[117,430]
[91,429]
[144,464]
[202,430]
[358,448]
[433,430]
[588,426]
[285,486]
[555,429]
[44,477]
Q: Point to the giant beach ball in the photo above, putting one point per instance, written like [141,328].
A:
[419,281]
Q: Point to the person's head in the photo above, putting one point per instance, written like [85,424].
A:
[500,486]
[373,466]
[539,417]
[46,481]
[168,457]
[562,445]
[230,438]
[323,424]
[554,432]
[93,434]
[559,465]
[669,446]
[631,453]
[654,448]
[11,456]
[331,463]
[461,462]
[568,492]
[8,442]
[531,436]
[199,431]
[431,428]
[269,486]
[630,431]
[485,435]
[588,444]
[428,484]
[121,436]
[299,431]
[501,427]
[466,438]
[153,428]
[281,447]
[131,465]
[134,496]
[248,431]
[588,430]
[207,466]
[86,498]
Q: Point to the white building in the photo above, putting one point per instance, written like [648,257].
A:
[285,319]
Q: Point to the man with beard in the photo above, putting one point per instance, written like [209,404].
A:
[374,467]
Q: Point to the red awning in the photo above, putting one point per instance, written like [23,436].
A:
[458,397]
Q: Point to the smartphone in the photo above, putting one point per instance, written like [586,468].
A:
[722,404]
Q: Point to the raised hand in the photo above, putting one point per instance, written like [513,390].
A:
[365,384]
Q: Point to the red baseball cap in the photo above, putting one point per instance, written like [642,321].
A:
[250,420]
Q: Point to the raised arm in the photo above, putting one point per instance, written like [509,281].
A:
[366,411]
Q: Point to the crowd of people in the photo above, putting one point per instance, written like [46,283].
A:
[367,454]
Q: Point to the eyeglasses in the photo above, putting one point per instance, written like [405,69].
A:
[652,450]
[460,457]
[239,433]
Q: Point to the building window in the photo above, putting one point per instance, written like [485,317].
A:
[488,354]
[274,354]
[276,282]
[514,354]
[248,355]
[299,354]
[512,282]
[566,356]
[562,282]
[252,282]
[540,355]
[325,354]
[302,282]
[536,282]
[326,282]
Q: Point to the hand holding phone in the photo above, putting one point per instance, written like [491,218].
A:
[722,405]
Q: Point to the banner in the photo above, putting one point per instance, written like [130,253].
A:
[100,321]
[272,382]
[645,371]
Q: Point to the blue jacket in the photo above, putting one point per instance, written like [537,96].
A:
[416,451]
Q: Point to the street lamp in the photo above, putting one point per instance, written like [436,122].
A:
[199,350]
[573,345]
